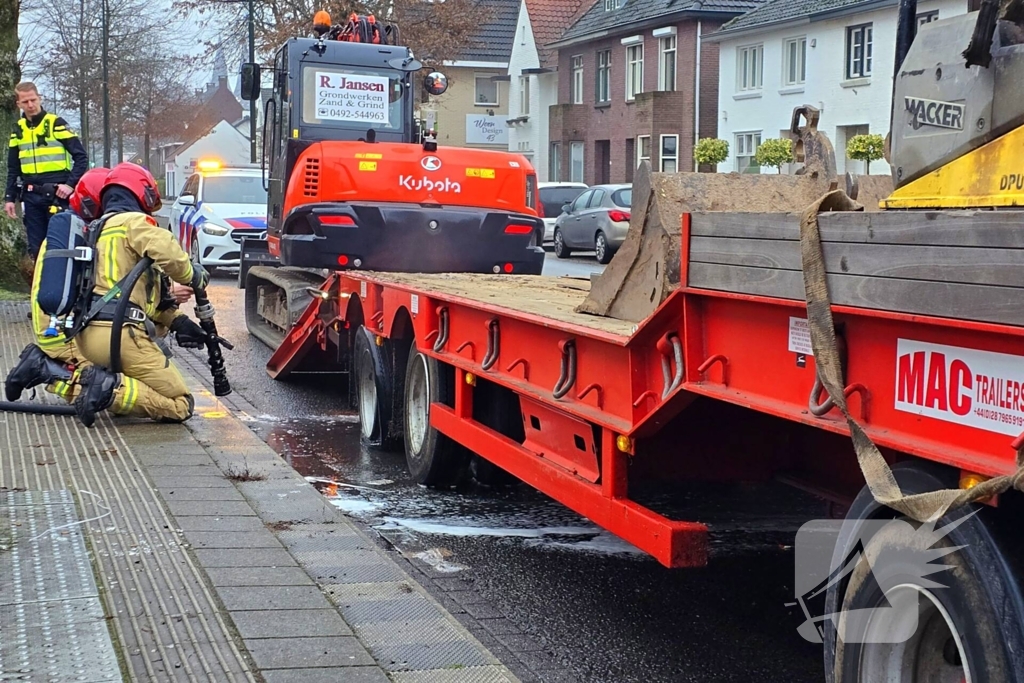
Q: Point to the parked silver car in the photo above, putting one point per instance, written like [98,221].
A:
[553,196]
[598,219]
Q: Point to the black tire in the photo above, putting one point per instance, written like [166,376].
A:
[432,458]
[193,250]
[561,251]
[602,251]
[372,365]
[975,617]
[496,407]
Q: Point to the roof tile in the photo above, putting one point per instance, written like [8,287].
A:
[774,11]
[549,19]
[597,19]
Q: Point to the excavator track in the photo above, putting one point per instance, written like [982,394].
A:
[274,300]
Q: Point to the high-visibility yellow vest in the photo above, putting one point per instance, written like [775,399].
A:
[39,148]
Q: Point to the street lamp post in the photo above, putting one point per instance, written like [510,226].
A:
[252,102]
[106,84]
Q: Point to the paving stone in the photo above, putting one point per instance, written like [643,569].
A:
[358,674]
[376,572]
[538,661]
[193,482]
[475,674]
[232,539]
[258,576]
[499,627]
[518,642]
[264,557]
[412,606]
[272,598]
[207,469]
[416,656]
[306,653]
[454,584]
[218,523]
[210,507]
[277,623]
[483,611]
[229,493]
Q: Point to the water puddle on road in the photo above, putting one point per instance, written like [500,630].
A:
[374,487]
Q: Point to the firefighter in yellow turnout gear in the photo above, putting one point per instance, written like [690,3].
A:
[149,384]
[51,360]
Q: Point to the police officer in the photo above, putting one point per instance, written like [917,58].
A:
[51,359]
[149,385]
[48,158]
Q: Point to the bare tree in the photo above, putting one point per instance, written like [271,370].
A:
[435,31]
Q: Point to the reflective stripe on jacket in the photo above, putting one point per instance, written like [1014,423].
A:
[40,148]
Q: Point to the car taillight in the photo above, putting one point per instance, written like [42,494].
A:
[618,216]
[540,209]
[531,191]
[518,229]
[336,220]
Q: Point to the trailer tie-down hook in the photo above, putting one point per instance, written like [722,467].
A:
[493,344]
[567,374]
[442,329]
[822,409]
[670,345]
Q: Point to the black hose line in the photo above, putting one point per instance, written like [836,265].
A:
[204,311]
[36,408]
[122,310]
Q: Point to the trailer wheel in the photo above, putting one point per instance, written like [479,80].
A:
[496,407]
[433,458]
[969,628]
[374,389]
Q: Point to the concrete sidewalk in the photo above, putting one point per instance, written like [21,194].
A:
[153,552]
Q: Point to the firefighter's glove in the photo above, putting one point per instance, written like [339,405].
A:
[200,278]
[187,333]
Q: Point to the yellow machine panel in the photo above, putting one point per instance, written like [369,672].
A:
[990,176]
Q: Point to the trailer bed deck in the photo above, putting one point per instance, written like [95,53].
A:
[554,299]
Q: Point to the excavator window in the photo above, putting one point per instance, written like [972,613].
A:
[349,97]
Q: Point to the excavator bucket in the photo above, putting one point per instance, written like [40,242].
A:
[646,268]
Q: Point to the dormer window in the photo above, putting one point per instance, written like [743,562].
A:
[609,5]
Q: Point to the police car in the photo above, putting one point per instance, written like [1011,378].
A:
[217,207]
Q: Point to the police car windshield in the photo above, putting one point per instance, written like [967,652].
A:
[348,97]
[234,190]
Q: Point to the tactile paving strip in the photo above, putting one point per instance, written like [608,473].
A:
[51,617]
[164,618]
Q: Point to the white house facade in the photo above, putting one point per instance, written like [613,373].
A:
[785,54]
[532,90]
[223,143]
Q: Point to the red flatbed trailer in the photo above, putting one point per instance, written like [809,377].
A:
[598,402]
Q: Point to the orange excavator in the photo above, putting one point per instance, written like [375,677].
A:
[356,183]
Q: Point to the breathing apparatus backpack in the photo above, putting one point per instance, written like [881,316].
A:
[67,253]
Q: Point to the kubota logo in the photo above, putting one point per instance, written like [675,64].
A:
[442,185]
[430,163]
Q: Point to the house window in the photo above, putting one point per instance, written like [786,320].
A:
[524,95]
[667,63]
[669,153]
[604,73]
[609,5]
[749,69]
[746,145]
[576,162]
[486,91]
[643,149]
[634,71]
[555,162]
[795,55]
[577,79]
[858,51]
[927,17]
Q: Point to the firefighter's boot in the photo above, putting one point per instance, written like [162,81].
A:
[34,367]
[97,386]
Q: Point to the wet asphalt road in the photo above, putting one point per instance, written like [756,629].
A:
[604,611]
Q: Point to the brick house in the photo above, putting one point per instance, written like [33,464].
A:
[635,82]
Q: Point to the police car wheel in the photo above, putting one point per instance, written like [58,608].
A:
[193,250]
